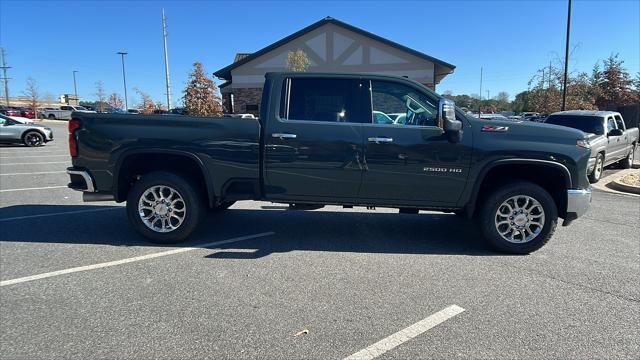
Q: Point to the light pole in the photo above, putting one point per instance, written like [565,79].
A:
[75,88]
[566,59]
[124,80]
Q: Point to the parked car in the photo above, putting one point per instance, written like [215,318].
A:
[64,113]
[9,111]
[13,131]
[133,111]
[26,112]
[610,140]
[526,116]
[315,144]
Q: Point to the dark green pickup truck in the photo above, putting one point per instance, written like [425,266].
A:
[342,139]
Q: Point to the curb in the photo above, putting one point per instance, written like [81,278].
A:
[616,185]
[606,183]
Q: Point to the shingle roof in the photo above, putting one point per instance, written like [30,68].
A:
[225,73]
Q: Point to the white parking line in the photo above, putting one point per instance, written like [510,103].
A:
[36,188]
[35,173]
[129,260]
[59,213]
[33,156]
[406,334]
[40,163]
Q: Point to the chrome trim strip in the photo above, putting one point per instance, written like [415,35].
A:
[87,179]
[578,201]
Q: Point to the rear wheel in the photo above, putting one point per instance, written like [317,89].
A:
[52,117]
[627,162]
[164,207]
[519,218]
[595,175]
[33,139]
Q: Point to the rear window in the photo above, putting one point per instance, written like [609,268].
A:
[330,100]
[588,124]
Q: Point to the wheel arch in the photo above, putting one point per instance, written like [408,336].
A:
[193,166]
[554,177]
[24,133]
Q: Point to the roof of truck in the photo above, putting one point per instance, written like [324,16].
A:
[597,113]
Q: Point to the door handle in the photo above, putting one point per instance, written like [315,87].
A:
[284,136]
[379,140]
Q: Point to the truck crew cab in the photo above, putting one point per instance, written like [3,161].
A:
[317,143]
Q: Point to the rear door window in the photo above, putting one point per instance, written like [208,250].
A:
[326,100]
[619,122]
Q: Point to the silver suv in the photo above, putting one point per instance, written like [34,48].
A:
[13,131]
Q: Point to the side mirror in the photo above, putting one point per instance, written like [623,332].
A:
[615,132]
[447,116]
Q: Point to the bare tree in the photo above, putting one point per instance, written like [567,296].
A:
[297,61]
[200,98]
[115,101]
[146,105]
[100,95]
[33,94]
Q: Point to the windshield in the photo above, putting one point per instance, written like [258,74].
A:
[588,124]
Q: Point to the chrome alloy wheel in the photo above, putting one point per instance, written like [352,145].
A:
[162,208]
[519,219]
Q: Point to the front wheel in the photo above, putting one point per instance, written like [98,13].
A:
[164,207]
[595,175]
[519,218]
[33,139]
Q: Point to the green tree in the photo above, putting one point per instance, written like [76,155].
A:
[200,96]
[297,61]
[615,85]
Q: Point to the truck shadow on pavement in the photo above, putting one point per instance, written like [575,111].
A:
[326,231]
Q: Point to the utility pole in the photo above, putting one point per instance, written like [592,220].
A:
[124,80]
[566,59]
[480,102]
[75,88]
[166,60]
[488,92]
[4,68]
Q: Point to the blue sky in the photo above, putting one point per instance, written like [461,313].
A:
[510,39]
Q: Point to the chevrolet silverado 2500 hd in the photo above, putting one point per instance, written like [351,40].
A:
[317,143]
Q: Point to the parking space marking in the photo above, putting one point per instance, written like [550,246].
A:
[32,156]
[35,188]
[406,334]
[130,260]
[39,163]
[35,173]
[59,213]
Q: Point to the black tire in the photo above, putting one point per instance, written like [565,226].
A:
[52,116]
[490,207]
[595,175]
[627,162]
[193,203]
[222,206]
[33,139]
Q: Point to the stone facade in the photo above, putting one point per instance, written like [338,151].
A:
[245,100]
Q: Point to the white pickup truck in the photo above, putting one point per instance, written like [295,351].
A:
[64,113]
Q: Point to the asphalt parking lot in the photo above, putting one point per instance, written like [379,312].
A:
[78,282]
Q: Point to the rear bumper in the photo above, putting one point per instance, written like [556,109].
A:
[578,202]
[80,180]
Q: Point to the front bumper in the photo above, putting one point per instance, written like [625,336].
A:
[578,202]
[591,165]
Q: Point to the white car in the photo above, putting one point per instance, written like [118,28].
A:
[64,113]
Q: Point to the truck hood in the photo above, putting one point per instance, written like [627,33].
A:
[539,132]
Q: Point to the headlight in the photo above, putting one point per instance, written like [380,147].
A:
[583,143]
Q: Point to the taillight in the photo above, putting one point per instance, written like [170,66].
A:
[73,142]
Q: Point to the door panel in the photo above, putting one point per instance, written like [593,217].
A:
[419,166]
[615,146]
[314,146]
[411,161]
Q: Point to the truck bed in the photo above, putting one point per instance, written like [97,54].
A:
[231,146]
